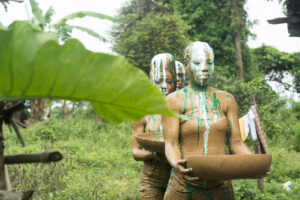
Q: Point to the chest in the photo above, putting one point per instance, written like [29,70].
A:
[153,124]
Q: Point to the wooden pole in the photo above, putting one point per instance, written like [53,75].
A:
[260,181]
[5,195]
[2,169]
[33,158]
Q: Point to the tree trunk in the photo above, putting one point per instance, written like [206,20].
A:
[236,17]
[37,109]
[65,108]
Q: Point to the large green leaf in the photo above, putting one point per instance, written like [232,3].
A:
[33,64]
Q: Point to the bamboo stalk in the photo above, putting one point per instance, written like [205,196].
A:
[46,157]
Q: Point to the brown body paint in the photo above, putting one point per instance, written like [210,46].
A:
[155,172]
[205,131]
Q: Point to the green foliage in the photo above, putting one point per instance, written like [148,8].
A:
[275,63]
[116,90]
[61,29]
[64,32]
[242,91]
[211,22]
[39,18]
[82,14]
[140,33]
[98,163]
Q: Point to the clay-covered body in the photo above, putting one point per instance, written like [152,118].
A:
[209,126]
[155,172]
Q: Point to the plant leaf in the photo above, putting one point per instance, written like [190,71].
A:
[38,13]
[33,65]
[48,15]
[87,30]
[82,14]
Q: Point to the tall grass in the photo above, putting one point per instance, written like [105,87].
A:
[97,161]
[98,164]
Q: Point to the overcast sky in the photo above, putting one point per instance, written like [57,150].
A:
[260,10]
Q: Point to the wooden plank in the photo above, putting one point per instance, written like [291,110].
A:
[281,20]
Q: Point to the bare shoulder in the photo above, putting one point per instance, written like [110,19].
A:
[174,99]
[225,96]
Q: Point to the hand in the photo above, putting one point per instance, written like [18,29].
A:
[181,167]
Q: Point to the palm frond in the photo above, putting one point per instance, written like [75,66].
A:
[69,29]
[48,15]
[38,13]
[82,14]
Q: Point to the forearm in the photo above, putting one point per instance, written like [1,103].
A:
[238,147]
[141,154]
[172,153]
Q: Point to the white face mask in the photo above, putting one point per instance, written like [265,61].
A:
[158,72]
[201,63]
[180,75]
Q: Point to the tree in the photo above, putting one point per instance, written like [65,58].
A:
[275,64]
[145,28]
[212,22]
[236,20]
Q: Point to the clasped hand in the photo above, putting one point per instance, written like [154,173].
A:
[181,167]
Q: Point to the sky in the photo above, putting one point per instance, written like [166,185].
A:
[258,10]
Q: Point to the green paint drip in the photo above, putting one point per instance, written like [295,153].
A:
[216,103]
[185,100]
[191,190]
[180,140]
[191,97]
[198,137]
[228,136]
[154,121]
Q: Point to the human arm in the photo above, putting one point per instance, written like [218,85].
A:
[139,154]
[236,144]
[171,136]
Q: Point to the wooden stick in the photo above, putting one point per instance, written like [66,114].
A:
[2,168]
[5,195]
[33,158]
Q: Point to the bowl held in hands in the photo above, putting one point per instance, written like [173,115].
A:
[227,167]
[151,141]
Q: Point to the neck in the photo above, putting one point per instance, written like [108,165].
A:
[198,88]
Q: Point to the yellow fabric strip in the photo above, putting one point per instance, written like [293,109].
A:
[242,128]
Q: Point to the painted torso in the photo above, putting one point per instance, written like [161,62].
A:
[152,123]
[203,132]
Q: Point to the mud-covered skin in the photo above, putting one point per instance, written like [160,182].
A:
[180,75]
[209,126]
[181,187]
[155,172]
